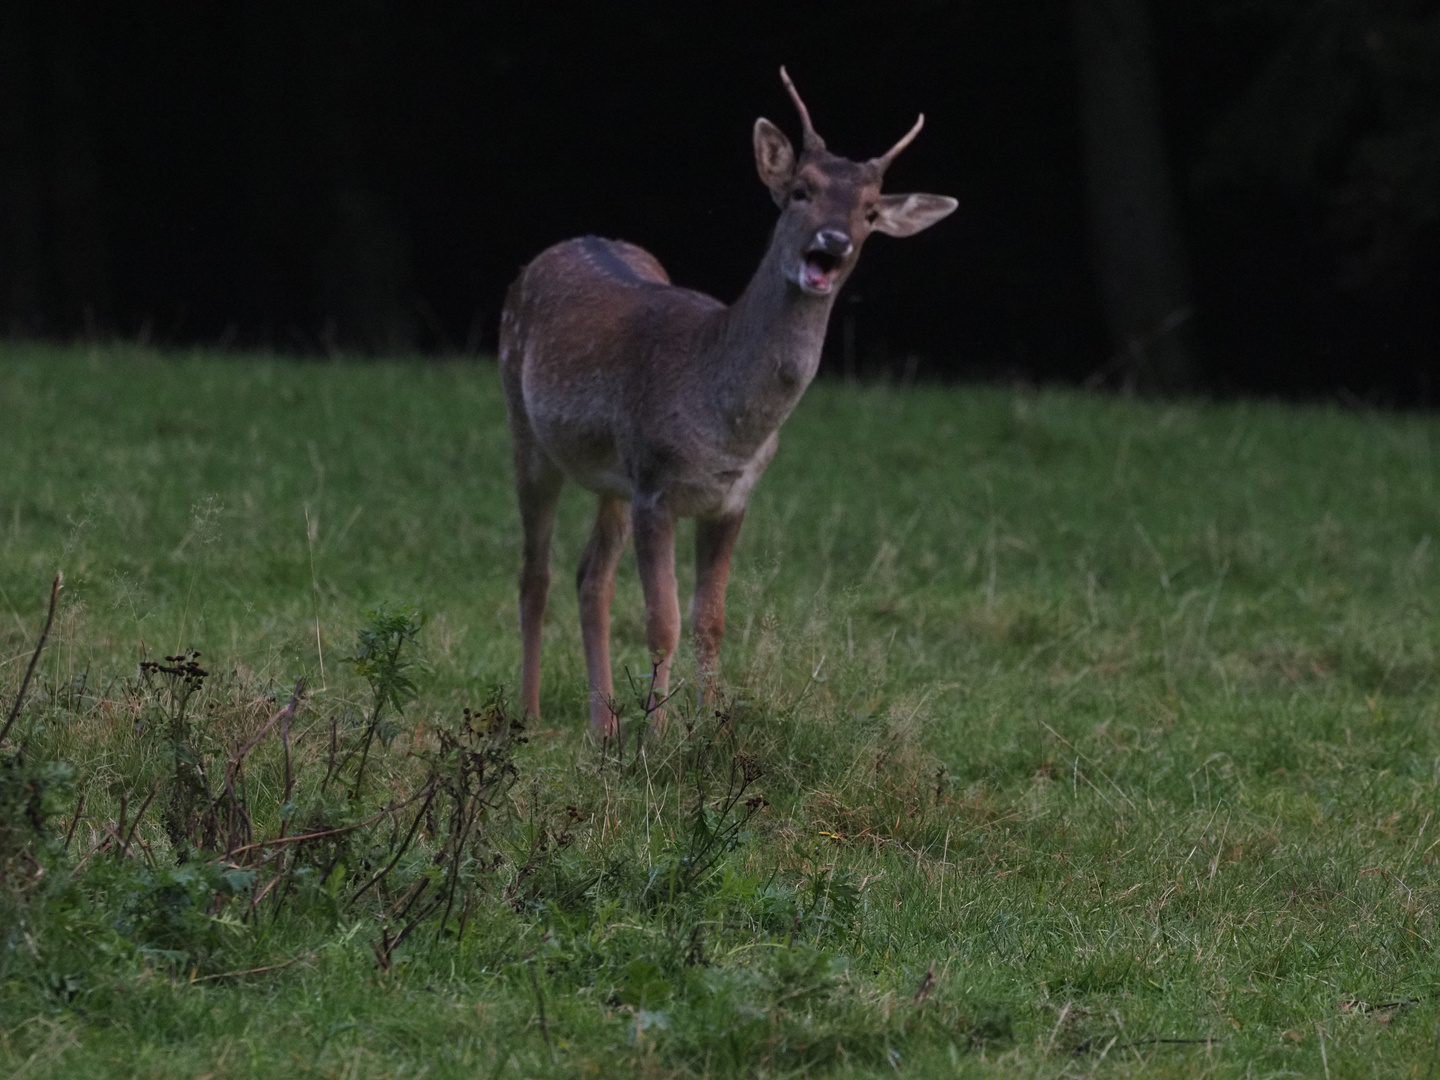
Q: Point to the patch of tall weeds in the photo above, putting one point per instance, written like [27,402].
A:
[231,824]
[678,880]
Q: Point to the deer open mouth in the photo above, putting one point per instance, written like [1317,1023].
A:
[818,271]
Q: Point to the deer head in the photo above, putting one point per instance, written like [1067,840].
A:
[829,205]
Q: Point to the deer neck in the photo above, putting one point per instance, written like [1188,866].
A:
[766,352]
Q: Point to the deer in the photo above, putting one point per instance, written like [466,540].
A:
[666,404]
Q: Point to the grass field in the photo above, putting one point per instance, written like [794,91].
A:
[1064,735]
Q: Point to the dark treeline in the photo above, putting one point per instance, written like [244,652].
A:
[1229,195]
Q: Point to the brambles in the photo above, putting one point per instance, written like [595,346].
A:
[471,771]
[467,778]
[248,835]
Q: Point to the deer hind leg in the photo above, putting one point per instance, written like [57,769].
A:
[714,544]
[596,585]
[537,483]
[655,552]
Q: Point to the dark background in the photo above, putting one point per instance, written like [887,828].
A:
[368,176]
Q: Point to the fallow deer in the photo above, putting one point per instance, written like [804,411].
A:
[666,403]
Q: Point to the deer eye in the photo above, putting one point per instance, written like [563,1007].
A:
[871,215]
[799,194]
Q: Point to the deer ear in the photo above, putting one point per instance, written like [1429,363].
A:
[774,158]
[905,215]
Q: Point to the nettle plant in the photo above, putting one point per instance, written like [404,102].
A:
[385,657]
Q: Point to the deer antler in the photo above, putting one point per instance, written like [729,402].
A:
[813,141]
[883,162]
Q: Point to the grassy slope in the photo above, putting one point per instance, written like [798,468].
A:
[1178,662]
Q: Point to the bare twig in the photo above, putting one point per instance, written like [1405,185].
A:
[280,714]
[303,837]
[400,910]
[35,657]
[391,944]
[258,897]
[79,809]
[285,738]
[400,851]
[464,917]
[235,764]
[333,755]
[927,984]
[540,1007]
[381,949]
[252,971]
[119,826]
[125,843]
[121,832]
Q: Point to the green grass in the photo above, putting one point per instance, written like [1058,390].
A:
[1120,717]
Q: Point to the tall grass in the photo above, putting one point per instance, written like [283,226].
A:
[1062,735]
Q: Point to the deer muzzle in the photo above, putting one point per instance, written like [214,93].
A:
[833,242]
[824,256]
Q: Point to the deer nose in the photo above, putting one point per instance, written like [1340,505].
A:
[833,242]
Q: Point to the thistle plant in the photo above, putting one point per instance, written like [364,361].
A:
[384,658]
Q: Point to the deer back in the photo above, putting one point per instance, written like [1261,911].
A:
[601,356]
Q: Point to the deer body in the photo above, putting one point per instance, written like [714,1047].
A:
[676,394]
[666,403]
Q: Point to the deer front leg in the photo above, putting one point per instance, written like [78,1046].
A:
[655,552]
[714,544]
[596,585]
